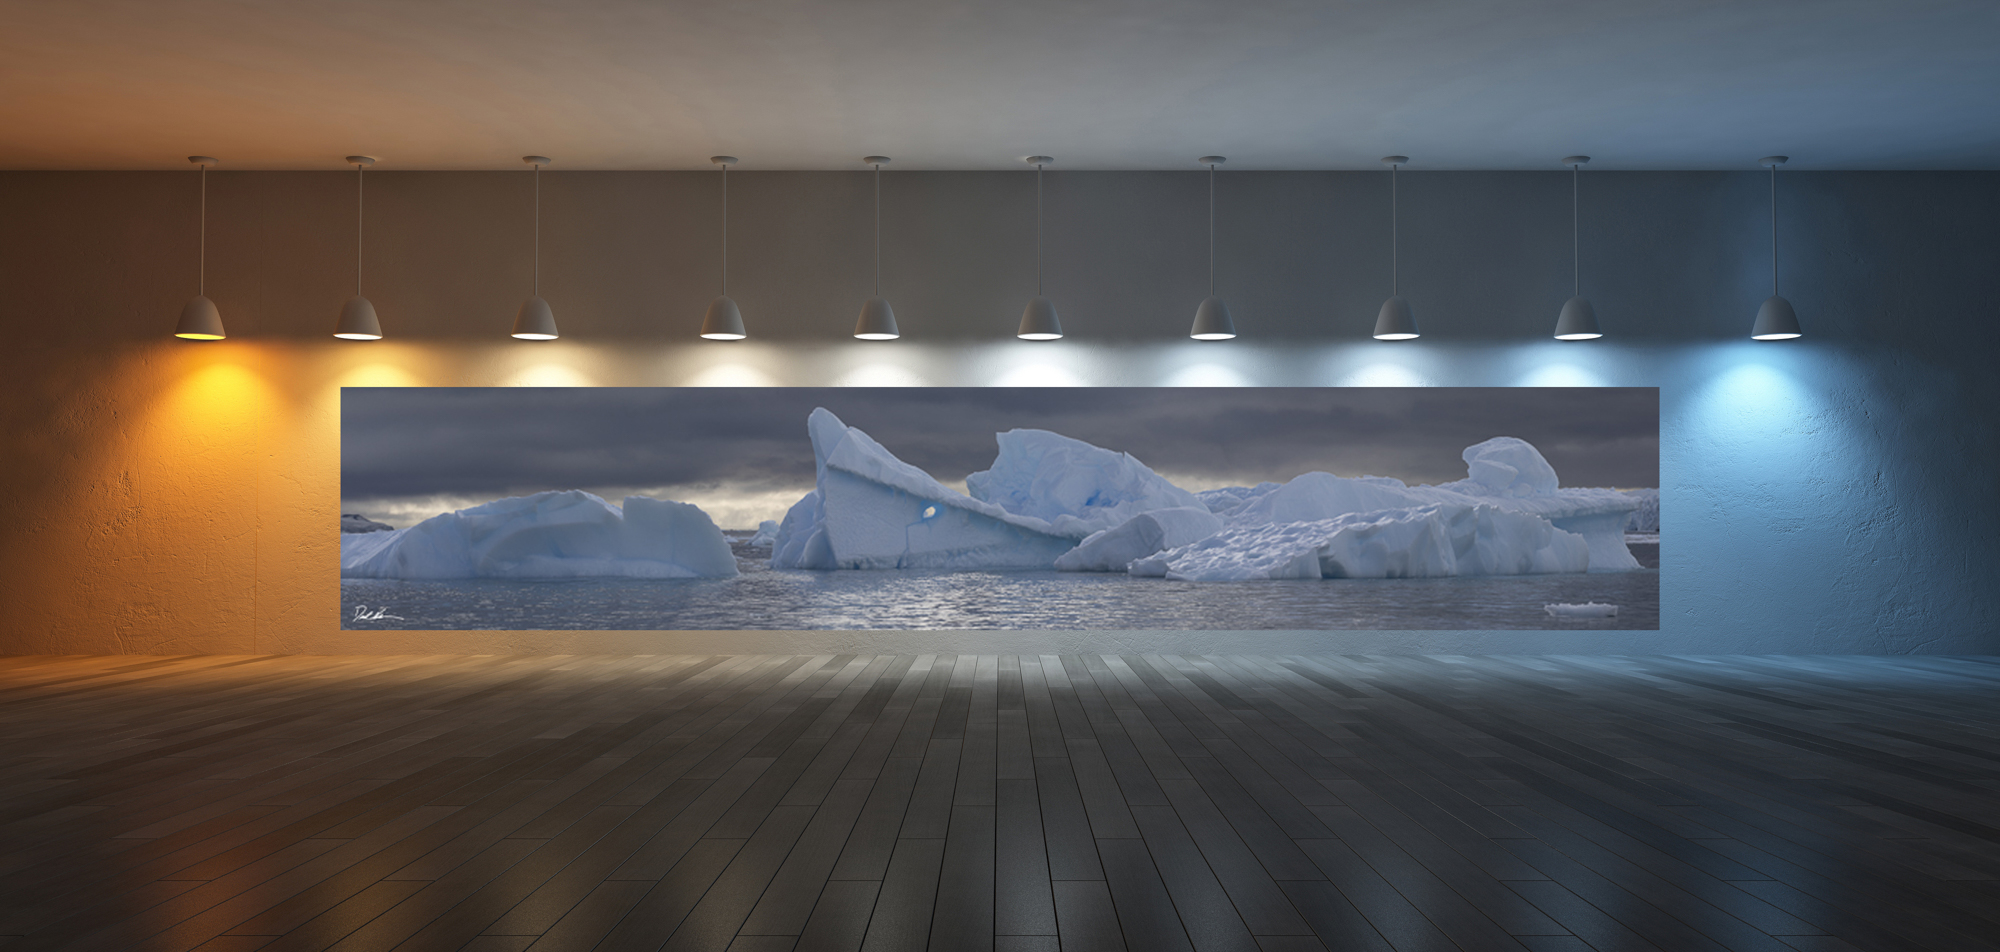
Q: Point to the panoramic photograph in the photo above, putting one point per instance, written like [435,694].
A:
[998,508]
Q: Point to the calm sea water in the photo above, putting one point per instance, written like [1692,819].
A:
[1029,600]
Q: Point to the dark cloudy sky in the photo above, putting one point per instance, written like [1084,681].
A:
[742,450]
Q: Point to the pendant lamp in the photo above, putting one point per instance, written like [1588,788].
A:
[1394,322]
[724,320]
[1211,319]
[1578,320]
[199,318]
[536,321]
[878,321]
[1775,320]
[357,319]
[1039,321]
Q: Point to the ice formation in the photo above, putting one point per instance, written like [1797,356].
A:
[349,522]
[1111,550]
[1646,518]
[767,533]
[1585,610]
[1049,500]
[1074,486]
[569,534]
[1503,472]
[871,510]
[1431,541]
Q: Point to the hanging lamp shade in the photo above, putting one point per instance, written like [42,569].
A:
[1394,321]
[200,321]
[199,318]
[878,319]
[535,320]
[358,321]
[1211,318]
[1578,320]
[1212,321]
[1038,319]
[1775,319]
[877,322]
[357,318]
[724,320]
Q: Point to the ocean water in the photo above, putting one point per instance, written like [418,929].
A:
[763,599]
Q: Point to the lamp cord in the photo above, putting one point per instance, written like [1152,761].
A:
[878,229]
[1575,238]
[201,272]
[1394,284]
[1211,230]
[725,230]
[538,231]
[1038,229]
[1774,231]
[360,219]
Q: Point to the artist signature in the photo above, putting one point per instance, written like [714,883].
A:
[364,613]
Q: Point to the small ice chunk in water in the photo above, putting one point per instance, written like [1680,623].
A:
[1585,610]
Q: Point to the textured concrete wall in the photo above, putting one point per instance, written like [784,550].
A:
[1835,494]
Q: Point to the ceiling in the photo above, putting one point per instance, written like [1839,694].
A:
[975,84]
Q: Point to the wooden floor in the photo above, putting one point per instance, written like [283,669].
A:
[1142,802]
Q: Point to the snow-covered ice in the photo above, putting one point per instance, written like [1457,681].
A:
[1111,550]
[767,533]
[1645,520]
[570,534]
[871,510]
[1431,541]
[1076,487]
[1049,500]
[350,522]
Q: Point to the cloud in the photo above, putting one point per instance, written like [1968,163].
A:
[743,448]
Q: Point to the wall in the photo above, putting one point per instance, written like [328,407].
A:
[1833,494]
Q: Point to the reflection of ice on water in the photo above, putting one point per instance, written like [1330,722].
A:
[798,600]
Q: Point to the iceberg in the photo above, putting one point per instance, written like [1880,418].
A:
[1503,473]
[349,522]
[1646,518]
[1585,610]
[1074,486]
[1111,550]
[871,510]
[767,533]
[1425,542]
[570,534]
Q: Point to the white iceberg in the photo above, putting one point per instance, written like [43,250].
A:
[767,533]
[871,510]
[1111,550]
[570,534]
[1432,541]
[1503,472]
[1645,519]
[1585,610]
[1076,487]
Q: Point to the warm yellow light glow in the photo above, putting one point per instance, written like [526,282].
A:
[376,375]
[199,336]
[548,375]
[731,375]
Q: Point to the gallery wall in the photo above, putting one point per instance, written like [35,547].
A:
[1831,494]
